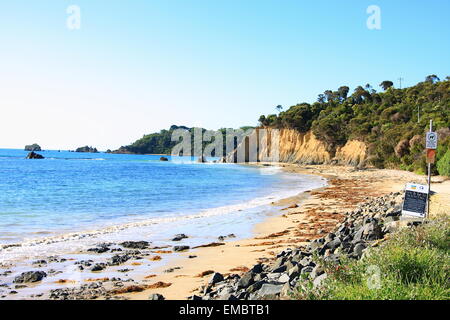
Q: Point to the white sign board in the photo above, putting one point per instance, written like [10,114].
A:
[431,140]
[415,201]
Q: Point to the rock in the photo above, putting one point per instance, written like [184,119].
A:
[358,249]
[33,147]
[30,276]
[372,231]
[257,268]
[163,159]
[317,271]
[246,280]
[87,149]
[33,155]
[294,272]
[119,259]
[319,280]
[98,267]
[333,244]
[99,249]
[284,278]
[216,277]
[286,290]
[156,296]
[270,291]
[279,269]
[306,270]
[180,248]
[135,244]
[179,237]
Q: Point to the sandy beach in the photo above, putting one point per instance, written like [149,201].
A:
[305,217]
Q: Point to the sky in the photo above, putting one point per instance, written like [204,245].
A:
[138,66]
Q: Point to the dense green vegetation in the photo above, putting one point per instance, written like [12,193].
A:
[414,264]
[386,121]
[161,142]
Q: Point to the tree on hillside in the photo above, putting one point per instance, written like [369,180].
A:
[386,84]
[321,98]
[432,78]
[328,95]
[279,108]
[343,92]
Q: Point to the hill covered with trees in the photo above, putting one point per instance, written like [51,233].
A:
[392,123]
[161,142]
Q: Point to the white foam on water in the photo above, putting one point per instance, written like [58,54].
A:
[31,249]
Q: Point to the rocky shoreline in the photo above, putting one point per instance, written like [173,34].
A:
[365,227]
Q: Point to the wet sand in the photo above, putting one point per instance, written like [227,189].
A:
[305,217]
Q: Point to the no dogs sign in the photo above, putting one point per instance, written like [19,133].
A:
[431,140]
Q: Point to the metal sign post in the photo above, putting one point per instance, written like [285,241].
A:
[431,146]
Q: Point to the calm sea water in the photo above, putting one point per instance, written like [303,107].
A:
[68,192]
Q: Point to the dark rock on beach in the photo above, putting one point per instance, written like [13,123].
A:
[156,296]
[135,244]
[30,276]
[180,248]
[179,237]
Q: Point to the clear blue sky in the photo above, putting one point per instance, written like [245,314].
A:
[137,67]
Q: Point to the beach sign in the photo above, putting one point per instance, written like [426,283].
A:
[431,140]
[415,201]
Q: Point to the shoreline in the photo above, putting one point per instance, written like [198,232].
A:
[289,228]
[302,218]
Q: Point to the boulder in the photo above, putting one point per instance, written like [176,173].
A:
[34,155]
[33,147]
[98,267]
[319,280]
[30,276]
[135,244]
[156,296]
[215,278]
[246,280]
[179,237]
[163,159]
[257,268]
[180,248]
[269,291]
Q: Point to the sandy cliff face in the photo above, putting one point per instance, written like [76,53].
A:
[303,148]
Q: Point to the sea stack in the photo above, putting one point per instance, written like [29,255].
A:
[87,149]
[34,155]
[33,147]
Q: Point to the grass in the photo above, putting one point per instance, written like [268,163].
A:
[414,264]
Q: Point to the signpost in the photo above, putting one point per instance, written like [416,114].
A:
[417,196]
[431,145]
[416,199]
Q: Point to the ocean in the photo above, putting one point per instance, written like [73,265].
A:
[69,201]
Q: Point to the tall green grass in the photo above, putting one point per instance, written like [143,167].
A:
[413,264]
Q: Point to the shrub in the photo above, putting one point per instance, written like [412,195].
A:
[412,264]
[443,165]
